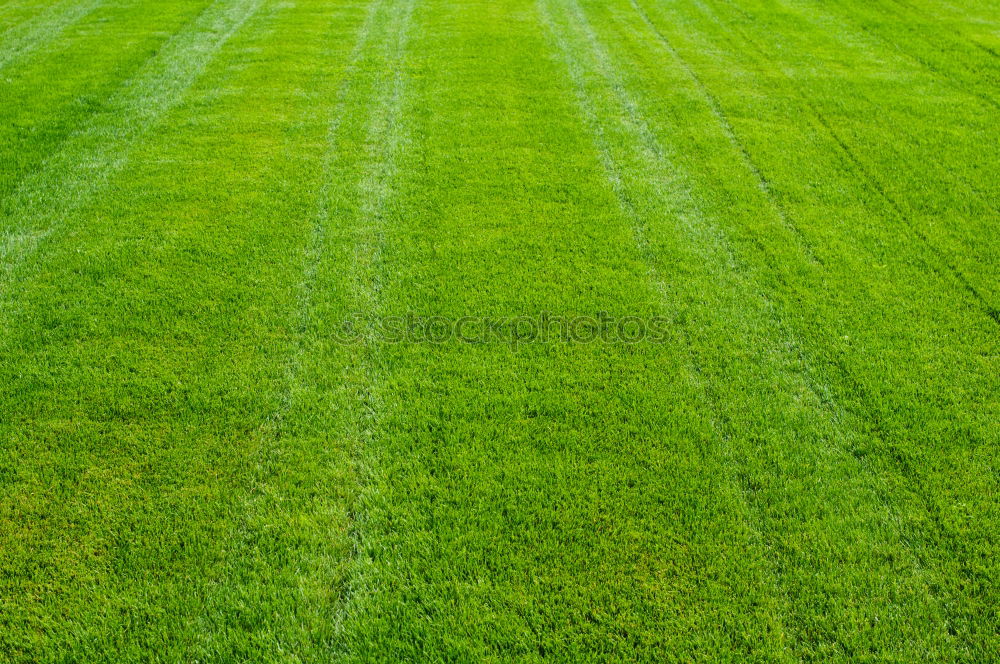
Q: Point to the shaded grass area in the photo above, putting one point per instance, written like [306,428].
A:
[196,194]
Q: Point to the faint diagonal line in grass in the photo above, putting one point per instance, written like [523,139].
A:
[267,468]
[612,171]
[942,74]
[918,487]
[657,151]
[907,6]
[91,157]
[727,126]
[723,426]
[91,111]
[869,180]
[21,41]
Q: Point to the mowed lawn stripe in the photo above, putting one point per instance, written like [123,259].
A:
[963,238]
[99,150]
[212,452]
[731,134]
[922,169]
[855,243]
[963,264]
[908,439]
[357,208]
[293,545]
[22,40]
[778,399]
[649,186]
[95,59]
[145,364]
[970,23]
[15,12]
[959,212]
[518,499]
[967,415]
[334,100]
[939,43]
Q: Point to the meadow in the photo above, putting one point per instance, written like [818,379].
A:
[229,431]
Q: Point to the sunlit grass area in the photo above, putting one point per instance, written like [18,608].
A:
[499,330]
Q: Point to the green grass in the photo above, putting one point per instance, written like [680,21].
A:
[195,195]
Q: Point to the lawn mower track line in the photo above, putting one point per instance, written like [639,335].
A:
[721,421]
[727,127]
[94,153]
[638,226]
[375,189]
[21,41]
[917,484]
[863,175]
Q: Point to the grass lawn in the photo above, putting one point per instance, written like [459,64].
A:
[499,330]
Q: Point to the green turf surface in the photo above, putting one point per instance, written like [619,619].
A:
[214,215]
